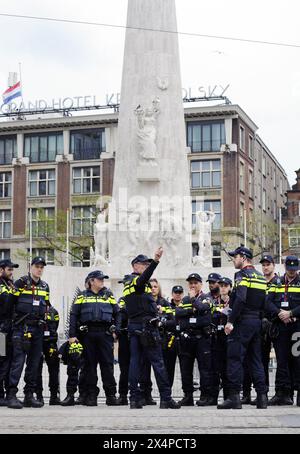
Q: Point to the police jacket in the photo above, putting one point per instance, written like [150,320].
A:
[91,308]
[274,281]
[284,295]
[32,298]
[193,313]
[219,312]
[166,315]
[7,299]
[51,326]
[123,320]
[248,296]
[137,294]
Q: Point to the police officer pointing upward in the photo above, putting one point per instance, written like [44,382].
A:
[142,327]
[244,330]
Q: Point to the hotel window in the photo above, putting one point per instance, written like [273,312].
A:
[242,138]
[207,205]
[264,165]
[42,222]
[5,184]
[8,149]
[205,137]
[264,200]
[242,216]
[294,237]
[87,143]
[274,178]
[251,147]
[264,236]
[275,210]
[81,257]
[41,183]
[281,186]
[43,147]
[242,177]
[4,254]
[83,219]
[206,174]
[86,180]
[5,224]
[216,260]
[251,186]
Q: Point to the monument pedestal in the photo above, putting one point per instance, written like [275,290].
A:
[148,173]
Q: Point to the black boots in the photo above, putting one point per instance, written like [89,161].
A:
[3,401]
[54,399]
[187,401]
[39,397]
[232,402]
[31,401]
[81,399]
[281,398]
[13,402]
[68,401]
[134,405]
[111,401]
[91,400]
[164,404]
[246,399]
[122,399]
[207,401]
[262,401]
[147,400]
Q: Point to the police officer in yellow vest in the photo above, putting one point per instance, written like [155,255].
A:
[143,330]
[97,311]
[28,333]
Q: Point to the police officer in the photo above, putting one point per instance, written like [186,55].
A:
[193,319]
[7,301]
[283,302]
[268,269]
[50,353]
[142,327]
[97,309]
[220,310]
[244,330]
[166,329]
[214,288]
[28,333]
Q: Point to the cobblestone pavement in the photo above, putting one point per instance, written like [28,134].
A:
[150,420]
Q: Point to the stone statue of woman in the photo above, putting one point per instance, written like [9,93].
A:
[146,132]
[204,221]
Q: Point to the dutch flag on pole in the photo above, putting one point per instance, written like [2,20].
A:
[12,93]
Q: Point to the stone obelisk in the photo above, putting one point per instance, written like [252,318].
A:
[151,205]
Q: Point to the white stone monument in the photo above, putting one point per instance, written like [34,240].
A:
[204,221]
[151,180]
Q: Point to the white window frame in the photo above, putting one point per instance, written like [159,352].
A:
[81,178]
[4,222]
[6,180]
[45,218]
[38,180]
[294,233]
[91,218]
[242,138]
[211,171]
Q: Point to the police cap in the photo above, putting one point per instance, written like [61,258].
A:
[241,250]
[141,258]
[38,260]
[213,277]
[194,276]
[97,274]
[225,280]
[177,289]
[292,263]
[7,263]
[266,258]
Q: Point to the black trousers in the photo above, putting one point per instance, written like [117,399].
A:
[266,346]
[98,349]
[77,378]
[32,358]
[124,360]
[244,341]
[288,358]
[52,362]
[200,349]
[219,362]
[170,356]
[5,361]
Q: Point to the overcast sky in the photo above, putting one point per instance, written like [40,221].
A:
[60,60]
